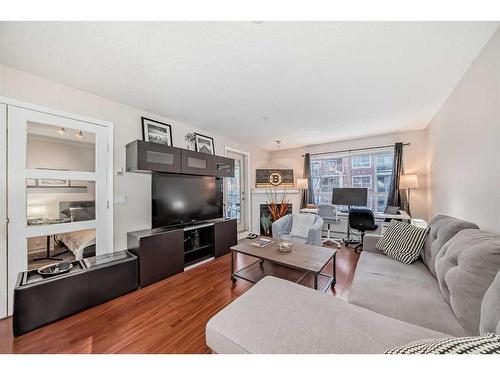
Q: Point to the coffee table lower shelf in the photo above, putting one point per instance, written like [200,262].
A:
[256,271]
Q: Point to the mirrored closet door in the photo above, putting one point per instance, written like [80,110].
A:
[58,191]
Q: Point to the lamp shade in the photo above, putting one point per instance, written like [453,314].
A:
[302,183]
[408,181]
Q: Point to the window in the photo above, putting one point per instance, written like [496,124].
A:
[346,170]
[384,163]
[383,183]
[362,182]
[361,161]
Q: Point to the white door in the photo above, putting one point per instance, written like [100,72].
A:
[236,190]
[53,162]
[3,211]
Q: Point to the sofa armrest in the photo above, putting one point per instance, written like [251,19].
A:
[369,242]
[282,225]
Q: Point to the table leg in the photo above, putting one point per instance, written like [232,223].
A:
[315,281]
[47,252]
[334,270]
[233,279]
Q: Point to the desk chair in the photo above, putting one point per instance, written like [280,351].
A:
[329,214]
[361,219]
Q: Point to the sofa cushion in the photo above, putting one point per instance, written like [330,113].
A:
[490,308]
[277,316]
[442,229]
[405,292]
[465,267]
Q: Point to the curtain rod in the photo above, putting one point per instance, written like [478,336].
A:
[354,149]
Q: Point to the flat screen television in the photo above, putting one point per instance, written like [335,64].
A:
[178,199]
[350,196]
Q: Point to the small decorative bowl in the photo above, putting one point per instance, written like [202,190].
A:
[285,243]
[55,269]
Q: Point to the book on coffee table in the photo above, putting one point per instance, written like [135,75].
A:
[261,242]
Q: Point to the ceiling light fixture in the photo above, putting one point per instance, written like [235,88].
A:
[61,131]
[79,134]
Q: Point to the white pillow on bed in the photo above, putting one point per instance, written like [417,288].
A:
[301,224]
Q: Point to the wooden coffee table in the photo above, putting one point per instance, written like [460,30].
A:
[304,260]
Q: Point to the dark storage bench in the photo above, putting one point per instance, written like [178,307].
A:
[90,282]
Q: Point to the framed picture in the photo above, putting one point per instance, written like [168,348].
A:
[156,132]
[57,183]
[204,144]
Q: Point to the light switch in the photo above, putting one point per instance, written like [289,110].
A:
[120,199]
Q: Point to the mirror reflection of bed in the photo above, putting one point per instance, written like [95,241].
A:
[65,246]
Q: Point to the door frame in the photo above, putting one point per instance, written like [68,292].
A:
[248,216]
[3,211]
[4,179]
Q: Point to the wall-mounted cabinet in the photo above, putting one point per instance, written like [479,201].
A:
[197,163]
[147,157]
[224,167]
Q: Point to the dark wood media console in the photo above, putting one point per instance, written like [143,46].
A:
[164,252]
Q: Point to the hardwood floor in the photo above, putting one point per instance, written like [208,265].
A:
[166,317]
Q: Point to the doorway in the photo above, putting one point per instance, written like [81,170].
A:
[236,190]
[59,190]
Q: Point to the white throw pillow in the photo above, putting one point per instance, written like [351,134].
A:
[301,224]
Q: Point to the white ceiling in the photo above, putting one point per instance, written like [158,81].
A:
[301,82]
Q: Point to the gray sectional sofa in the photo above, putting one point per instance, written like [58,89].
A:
[453,290]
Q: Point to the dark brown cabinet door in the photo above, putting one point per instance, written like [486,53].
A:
[197,163]
[223,167]
[226,235]
[152,157]
[160,256]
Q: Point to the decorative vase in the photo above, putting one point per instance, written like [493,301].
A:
[190,139]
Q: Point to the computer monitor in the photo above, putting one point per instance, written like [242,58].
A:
[350,196]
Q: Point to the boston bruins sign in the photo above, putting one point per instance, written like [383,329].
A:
[274,178]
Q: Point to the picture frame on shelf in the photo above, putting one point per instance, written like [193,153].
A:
[156,132]
[52,183]
[31,182]
[204,144]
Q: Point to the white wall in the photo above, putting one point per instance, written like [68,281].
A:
[136,213]
[414,160]
[464,145]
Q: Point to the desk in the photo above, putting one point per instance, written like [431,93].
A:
[378,216]
[340,228]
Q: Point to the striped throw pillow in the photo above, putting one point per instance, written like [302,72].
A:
[387,236]
[404,242]
[489,343]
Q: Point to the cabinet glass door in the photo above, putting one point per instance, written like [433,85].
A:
[58,191]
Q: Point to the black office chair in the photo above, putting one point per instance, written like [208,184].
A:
[361,219]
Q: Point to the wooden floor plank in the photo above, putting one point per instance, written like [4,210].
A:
[166,317]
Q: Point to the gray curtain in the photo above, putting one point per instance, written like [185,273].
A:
[307,195]
[395,198]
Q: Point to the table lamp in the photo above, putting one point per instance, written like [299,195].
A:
[408,182]
[302,183]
